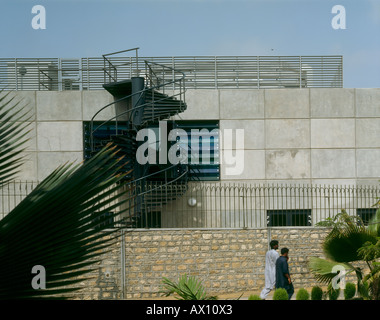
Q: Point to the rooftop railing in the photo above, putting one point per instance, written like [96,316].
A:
[202,72]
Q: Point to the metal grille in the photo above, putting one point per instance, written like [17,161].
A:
[201,72]
[227,205]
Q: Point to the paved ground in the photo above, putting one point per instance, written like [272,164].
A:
[241,295]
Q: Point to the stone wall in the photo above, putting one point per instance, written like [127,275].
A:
[228,261]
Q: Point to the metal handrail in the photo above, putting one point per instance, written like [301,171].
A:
[154,84]
[202,72]
[134,108]
[113,66]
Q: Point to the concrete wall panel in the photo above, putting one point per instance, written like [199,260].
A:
[60,136]
[241,104]
[49,161]
[288,164]
[287,133]
[368,163]
[332,103]
[368,102]
[254,137]
[201,104]
[252,168]
[287,103]
[333,163]
[333,133]
[368,133]
[93,101]
[56,106]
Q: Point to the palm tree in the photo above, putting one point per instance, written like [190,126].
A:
[61,224]
[347,243]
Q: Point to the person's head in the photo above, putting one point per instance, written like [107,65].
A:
[285,252]
[274,244]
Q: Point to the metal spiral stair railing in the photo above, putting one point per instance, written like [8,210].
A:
[148,104]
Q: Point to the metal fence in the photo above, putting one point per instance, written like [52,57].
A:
[201,71]
[229,205]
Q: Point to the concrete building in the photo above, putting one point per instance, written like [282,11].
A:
[297,130]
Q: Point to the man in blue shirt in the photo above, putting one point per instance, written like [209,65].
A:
[282,273]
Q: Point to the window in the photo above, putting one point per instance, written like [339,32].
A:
[285,218]
[201,144]
[203,148]
[366,214]
[101,135]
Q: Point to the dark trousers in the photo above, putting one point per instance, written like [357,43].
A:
[290,290]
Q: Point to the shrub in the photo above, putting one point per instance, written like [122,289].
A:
[187,288]
[316,293]
[302,294]
[333,293]
[349,291]
[280,294]
[254,297]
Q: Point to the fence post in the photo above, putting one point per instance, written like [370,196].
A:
[122,264]
[269,234]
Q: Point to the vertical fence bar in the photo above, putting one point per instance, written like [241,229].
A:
[122,263]
[228,205]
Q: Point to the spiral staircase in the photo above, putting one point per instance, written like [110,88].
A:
[139,103]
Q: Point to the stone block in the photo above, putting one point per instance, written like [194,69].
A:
[253,132]
[288,164]
[47,162]
[333,163]
[285,103]
[368,133]
[241,104]
[368,102]
[250,165]
[287,133]
[331,182]
[332,102]
[30,132]
[59,106]
[333,133]
[93,101]
[25,100]
[201,104]
[368,163]
[60,136]
[28,170]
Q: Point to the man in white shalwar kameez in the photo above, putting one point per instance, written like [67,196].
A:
[270,269]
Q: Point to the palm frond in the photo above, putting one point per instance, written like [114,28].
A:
[322,269]
[14,130]
[187,288]
[58,226]
[374,223]
[344,241]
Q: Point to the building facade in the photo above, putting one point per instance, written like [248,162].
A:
[286,128]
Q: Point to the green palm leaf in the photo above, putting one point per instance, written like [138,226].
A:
[187,288]
[322,269]
[344,241]
[374,223]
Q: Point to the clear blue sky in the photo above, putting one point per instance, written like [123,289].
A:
[89,28]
